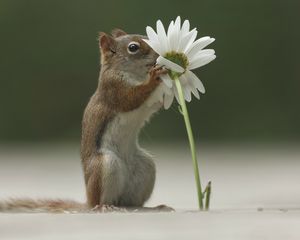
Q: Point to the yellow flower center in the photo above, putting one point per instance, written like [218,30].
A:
[178,58]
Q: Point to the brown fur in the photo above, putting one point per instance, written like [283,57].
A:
[118,33]
[118,95]
[42,205]
[93,180]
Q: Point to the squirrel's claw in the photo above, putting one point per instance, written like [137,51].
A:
[156,72]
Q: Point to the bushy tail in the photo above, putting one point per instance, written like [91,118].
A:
[42,205]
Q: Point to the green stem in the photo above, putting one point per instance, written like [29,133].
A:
[191,140]
[207,196]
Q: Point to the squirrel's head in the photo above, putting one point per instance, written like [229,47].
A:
[126,53]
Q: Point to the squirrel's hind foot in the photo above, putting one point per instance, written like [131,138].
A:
[111,208]
[107,209]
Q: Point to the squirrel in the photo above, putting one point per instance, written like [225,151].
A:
[118,173]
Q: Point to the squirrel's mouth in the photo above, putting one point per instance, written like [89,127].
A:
[152,64]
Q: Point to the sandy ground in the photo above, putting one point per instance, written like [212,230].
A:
[256,194]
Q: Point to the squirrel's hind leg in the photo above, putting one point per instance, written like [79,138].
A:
[105,181]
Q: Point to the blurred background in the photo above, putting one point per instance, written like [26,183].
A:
[49,66]
[246,125]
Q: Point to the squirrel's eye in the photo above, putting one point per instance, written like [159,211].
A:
[133,47]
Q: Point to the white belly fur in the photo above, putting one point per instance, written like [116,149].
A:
[129,170]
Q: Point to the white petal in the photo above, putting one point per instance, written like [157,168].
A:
[191,40]
[186,88]
[169,34]
[174,36]
[201,54]
[176,94]
[185,27]
[173,39]
[187,94]
[167,80]
[166,89]
[170,28]
[199,62]
[177,26]
[154,45]
[195,80]
[178,23]
[172,66]
[194,90]
[158,94]
[151,34]
[168,99]
[186,40]
[183,80]
[162,36]
[182,37]
[208,51]
[160,28]
[199,45]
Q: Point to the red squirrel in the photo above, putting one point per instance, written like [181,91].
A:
[117,171]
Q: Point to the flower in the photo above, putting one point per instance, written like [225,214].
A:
[180,53]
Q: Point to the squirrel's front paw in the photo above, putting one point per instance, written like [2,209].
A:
[156,72]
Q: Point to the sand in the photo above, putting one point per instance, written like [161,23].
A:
[256,194]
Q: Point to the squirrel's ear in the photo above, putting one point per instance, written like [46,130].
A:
[106,42]
[117,33]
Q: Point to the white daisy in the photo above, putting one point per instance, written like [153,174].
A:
[180,53]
